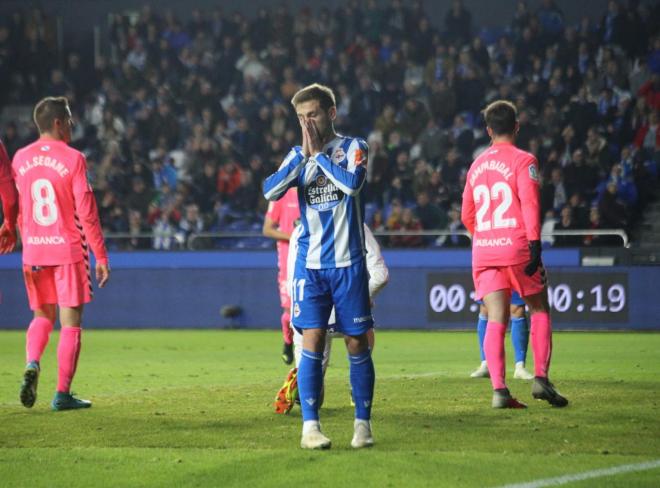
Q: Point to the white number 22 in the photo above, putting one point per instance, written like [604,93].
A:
[44,210]
[499,191]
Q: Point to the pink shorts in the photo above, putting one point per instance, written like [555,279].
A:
[67,285]
[490,279]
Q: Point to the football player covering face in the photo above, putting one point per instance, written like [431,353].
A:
[317,125]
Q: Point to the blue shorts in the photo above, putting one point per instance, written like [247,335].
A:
[515,299]
[315,291]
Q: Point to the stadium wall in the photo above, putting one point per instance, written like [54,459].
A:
[428,289]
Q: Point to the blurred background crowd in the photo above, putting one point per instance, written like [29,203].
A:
[182,119]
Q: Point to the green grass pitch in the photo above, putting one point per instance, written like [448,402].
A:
[193,408]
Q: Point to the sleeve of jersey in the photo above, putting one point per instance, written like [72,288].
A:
[88,213]
[277,184]
[528,192]
[8,192]
[467,209]
[379,275]
[273,212]
[351,179]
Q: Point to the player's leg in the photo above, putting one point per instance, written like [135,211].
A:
[74,290]
[497,304]
[287,396]
[287,348]
[482,370]
[68,352]
[493,286]
[541,335]
[42,296]
[285,318]
[310,384]
[354,319]
[312,303]
[519,337]
[534,292]
[362,377]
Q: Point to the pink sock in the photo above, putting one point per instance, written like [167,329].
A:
[494,349]
[68,351]
[38,334]
[287,333]
[541,343]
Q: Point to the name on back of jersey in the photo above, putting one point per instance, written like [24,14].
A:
[46,162]
[491,165]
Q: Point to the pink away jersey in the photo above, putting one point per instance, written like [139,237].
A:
[501,206]
[7,189]
[58,214]
[284,213]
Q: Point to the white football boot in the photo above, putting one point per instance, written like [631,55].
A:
[481,371]
[520,373]
[362,436]
[312,437]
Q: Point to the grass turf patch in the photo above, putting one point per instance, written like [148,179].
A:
[193,408]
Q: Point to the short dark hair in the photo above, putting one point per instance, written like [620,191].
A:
[315,91]
[48,110]
[501,116]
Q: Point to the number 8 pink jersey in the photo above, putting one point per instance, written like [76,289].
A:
[58,214]
[501,205]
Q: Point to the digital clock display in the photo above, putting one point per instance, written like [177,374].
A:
[599,297]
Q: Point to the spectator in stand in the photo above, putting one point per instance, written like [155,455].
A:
[190,96]
[566,222]
[405,222]
[430,216]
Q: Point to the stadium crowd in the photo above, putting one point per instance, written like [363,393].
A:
[183,118]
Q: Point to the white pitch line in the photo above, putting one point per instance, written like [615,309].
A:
[596,473]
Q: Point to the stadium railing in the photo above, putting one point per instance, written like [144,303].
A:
[255,240]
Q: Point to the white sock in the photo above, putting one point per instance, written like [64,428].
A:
[310,425]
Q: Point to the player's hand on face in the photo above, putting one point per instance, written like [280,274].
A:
[7,239]
[315,144]
[102,274]
[305,138]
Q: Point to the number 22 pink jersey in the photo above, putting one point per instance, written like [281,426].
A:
[58,214]
[501,205]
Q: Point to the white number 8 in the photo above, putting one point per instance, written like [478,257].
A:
[44,210]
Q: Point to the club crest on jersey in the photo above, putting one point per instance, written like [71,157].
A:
[533,173]
[360,157]
[338,156]
[296,310]
[322,194]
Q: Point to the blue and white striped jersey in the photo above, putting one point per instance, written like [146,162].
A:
[331,209]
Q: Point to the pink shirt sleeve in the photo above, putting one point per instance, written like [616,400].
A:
[528,192]
[467,209]
[273,212]
[87,211]
[8,193]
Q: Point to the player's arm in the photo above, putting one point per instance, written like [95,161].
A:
[89,219]
[9,197]
[528,182]
[379,275]
[351,179]
[277,184]
[271,223]
[467,209]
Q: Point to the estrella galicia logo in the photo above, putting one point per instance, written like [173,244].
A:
[322,194]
